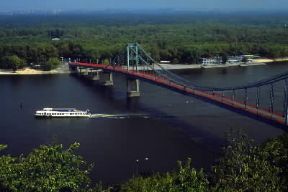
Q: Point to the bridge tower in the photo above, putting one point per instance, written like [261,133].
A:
[133,84]
[133,56]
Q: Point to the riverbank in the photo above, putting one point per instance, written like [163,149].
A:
[267,61]
[28,71]
[199,66]
[64,69]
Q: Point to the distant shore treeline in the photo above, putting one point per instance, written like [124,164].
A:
[177,38]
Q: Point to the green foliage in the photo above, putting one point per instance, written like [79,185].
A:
[106,61]
[7,172]
[48,168]
[2,147]
[11,62]
[52,63]
[183,38]
[185,179]
[276,151]
[245,167]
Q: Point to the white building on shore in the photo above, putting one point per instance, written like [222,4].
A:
[212,61]
[230,60]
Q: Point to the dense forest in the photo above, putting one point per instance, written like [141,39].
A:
[177,37]
[244,166]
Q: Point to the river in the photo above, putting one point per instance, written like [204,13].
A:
[168,126]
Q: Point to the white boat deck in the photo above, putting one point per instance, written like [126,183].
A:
[62,112]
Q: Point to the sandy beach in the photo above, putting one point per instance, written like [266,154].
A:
[270,60]
[26,71]
[29,71]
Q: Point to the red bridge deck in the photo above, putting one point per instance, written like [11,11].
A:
[213,97]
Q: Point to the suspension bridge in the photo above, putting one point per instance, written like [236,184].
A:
[266,99]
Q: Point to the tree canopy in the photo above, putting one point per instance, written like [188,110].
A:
[179,38]
[244,166]
[11,62]
[47,168]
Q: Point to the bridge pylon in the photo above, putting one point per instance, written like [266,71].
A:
[133,56]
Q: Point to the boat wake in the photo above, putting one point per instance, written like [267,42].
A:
[119,116]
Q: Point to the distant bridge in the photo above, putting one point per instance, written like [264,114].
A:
[265,100]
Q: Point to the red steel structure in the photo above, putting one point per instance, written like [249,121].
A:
[208,95]
[266,99]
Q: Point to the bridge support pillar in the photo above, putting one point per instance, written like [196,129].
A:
[106,79]
[82,71]
[133,87]
[78,70]
[94,75]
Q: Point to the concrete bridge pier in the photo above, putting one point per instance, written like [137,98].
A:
[94,75]
[106,78]
[78,70]
[133,87]
[82,71]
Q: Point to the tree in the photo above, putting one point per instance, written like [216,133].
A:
[185,179]
[106,61]
[12,62]
[48,168]
[245,167]
[6,165]
[52,63]
[277,153]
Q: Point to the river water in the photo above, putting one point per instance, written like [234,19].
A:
[167,126]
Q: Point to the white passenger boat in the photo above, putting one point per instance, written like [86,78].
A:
[62,112]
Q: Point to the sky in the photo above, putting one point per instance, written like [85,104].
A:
[91,5]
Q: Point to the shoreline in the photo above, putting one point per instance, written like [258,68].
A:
[200,66]
[256,62]
[31,72]
[61,70]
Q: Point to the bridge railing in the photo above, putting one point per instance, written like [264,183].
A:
[268,96]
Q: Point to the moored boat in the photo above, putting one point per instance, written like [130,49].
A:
[61,112]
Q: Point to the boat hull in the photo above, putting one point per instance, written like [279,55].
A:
[62,113]
[62,116]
